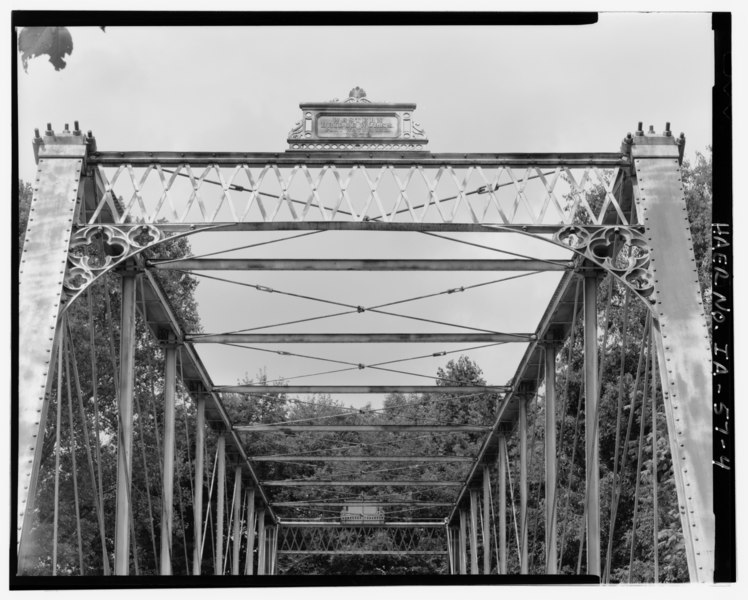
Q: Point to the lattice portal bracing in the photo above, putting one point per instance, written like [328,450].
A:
[249,189]
[371,540]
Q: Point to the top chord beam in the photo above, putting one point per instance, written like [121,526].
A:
[572,159]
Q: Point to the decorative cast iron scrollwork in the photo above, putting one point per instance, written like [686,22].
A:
[297,131]
[418,131]
[622,251]
[86,263]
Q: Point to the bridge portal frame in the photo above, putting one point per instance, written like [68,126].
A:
[73,203]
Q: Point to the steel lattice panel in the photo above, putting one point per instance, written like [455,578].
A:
[240,193]
[361,540]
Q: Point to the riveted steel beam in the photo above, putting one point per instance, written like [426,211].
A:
[298,264]
[365,552]
[486,521]
[372,225]
[322,504]
[425,159]
[125,396]
[262,427]
[503,454]
[360,389]
[250,544]
[382,525]
[199,477]
[54,204]
[408,459]
[523,515]
[358,338]
[221,485]
[551,552]
[682,342]
[353,483]
[236,520]
[474,532]
[167,495]
[591,428]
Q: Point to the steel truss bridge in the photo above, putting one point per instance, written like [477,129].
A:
[100,219]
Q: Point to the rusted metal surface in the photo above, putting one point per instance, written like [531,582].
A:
[682,342]
[41,274]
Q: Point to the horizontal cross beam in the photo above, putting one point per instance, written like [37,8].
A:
[337,483]
[322,504]
[360,428]
[361,389]
[342,525]
[296,264]
[371,225]
[319,159]
[356,338]
[414,459]
[365,552]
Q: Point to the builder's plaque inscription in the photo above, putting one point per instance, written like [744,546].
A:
[355,126]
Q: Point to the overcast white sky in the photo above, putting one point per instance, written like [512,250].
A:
[497,89]
[478,89]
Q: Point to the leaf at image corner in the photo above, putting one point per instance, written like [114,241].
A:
[55,42]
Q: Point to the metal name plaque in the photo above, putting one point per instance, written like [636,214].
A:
[357,124]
